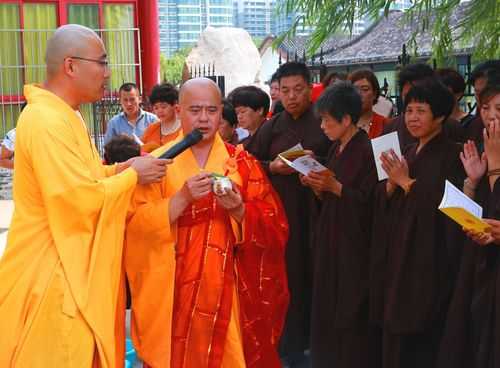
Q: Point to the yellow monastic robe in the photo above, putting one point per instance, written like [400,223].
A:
[150,263]
[60,272]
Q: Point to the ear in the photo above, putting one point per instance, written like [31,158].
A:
[140,98]
[260,110]
[177,108]
[69,67]
[346,120]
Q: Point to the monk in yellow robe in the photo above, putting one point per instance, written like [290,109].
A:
[60,271]
[206,271]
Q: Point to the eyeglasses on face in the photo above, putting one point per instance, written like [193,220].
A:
[103,63]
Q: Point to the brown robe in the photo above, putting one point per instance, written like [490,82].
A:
[472,333]
[415,256]
[275,136]
[474,131]
[340,333]
[250,142]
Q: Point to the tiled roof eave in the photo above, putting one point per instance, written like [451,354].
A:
[386,58]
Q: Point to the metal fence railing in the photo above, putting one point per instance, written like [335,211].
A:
[23,63]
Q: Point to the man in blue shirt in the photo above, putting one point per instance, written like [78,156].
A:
[132,121]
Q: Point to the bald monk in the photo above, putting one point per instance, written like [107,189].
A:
[60,271]
[207,272]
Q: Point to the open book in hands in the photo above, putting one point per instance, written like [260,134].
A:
[299,160]
[461,209]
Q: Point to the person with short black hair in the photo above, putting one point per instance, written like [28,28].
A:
[133,120]
[296,124]
[121,148]
[410,76]
[413,73]
[333,77]
[456,84]
[492,86]
[478,77]
[416,248]
[341,335]
[473,314]
[369,89]
[251,105]
[163,99]
[228,123]
[274,91]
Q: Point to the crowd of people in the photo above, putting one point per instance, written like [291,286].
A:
[330,269]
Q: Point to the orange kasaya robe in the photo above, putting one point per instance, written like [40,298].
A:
[207,291]
[60,272]
[152,134]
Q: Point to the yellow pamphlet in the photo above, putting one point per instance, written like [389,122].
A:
[461,209]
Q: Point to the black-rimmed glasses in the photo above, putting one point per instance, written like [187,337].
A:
[103,63]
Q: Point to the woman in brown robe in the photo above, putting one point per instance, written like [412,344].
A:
[340,333]
[472,335]
[416,249]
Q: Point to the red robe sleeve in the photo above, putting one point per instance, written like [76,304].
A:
[260,260]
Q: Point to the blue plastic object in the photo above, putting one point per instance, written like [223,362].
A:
[130,354]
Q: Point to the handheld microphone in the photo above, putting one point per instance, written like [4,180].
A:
[189,140]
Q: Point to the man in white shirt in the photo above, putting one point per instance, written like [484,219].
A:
[7,150]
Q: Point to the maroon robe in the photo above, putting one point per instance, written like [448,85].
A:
[250,142]
[275,136]
[474,131]
[415,256]
[340,333]
[472,333]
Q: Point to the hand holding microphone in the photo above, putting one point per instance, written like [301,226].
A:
[151,170]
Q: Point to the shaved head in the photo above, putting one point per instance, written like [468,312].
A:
[200,107]
[199,85]
[68,40]
[77,65]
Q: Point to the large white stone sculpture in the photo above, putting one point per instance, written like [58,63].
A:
[233,53]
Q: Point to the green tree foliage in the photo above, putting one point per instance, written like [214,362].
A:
[257,41]
[481,24]
[171,68]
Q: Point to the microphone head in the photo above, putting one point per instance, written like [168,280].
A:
[194,137]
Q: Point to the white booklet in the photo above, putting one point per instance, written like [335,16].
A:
[461,209]
[296,158]
[382,144]
[305,164]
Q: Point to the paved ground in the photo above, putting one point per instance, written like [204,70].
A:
[5,184]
